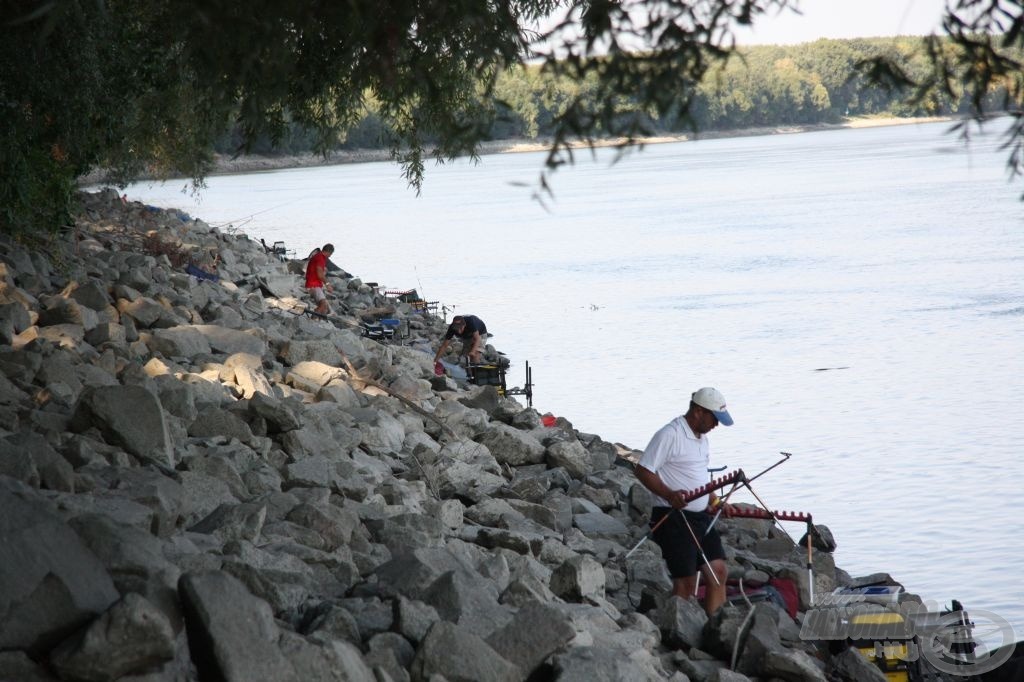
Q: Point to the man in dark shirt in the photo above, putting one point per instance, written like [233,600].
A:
[471,330]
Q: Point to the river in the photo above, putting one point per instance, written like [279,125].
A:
[855,294]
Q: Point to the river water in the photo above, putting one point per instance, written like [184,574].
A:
[855,294]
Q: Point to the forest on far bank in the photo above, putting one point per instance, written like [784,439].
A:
[759,86]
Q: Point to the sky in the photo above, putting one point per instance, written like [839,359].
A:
[846,19]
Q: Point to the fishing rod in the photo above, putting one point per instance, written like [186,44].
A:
[689,496]
[249,217]
[711,571]
[725,500]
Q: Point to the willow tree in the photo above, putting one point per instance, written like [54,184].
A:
[132,85]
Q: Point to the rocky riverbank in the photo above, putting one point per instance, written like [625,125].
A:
[198,482]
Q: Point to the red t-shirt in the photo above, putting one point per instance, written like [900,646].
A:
[317,261]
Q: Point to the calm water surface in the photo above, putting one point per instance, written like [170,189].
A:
[855,294]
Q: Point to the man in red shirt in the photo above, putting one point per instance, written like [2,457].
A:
[316,277]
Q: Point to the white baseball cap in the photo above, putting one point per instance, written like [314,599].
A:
[712,399]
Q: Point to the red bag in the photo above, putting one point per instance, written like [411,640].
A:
[787,588]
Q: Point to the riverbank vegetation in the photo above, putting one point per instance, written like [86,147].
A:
[158,87]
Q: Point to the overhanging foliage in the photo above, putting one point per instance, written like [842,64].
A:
[129,85]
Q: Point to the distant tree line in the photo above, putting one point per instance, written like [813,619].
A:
[760,86]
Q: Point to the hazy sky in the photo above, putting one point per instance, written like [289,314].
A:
[847,19]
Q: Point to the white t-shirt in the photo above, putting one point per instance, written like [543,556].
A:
[680,459]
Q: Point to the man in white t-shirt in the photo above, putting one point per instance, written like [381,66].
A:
[676,461]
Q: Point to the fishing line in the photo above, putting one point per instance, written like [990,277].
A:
[248,218]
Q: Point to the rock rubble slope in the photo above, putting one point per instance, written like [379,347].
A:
[199,483]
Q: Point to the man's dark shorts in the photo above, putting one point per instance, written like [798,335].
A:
[677,547]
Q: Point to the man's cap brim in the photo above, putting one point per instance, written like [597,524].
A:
[723,417]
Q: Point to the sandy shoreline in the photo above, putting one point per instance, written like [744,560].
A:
[225,165]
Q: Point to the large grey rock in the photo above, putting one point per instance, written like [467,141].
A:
[578,578]
[761,638]
[824,574]
[129,416]
[319,471]
[331,620]
[252,382]
[67,336]
[381,433]
[134,560]
[602,454]
[333,524]
[29,452]
[466,469]
[792,665]
[144,311]
[131,637]
[339,392]
[600,525]
[681,622]
[391,653]
[234,522]
[468,600]
[570,455]
[107,332]
[284,581]
[404,531]
[231,341]
[464,421]
[412,572]
[852,666]
[536,632]
[411,388]
[232,635]
[63,311]
[15,318]
[179,342]
[92,294]
[458,655]
[333,661]
[821,539]
[372,615]
[594,664]
[214,422]
[18,464]
[315,373]
[281,415]
[413,618]
[50,583]
[316,350]
[177,397]
[160,495]
[353,345]
[208,393]
[511,446]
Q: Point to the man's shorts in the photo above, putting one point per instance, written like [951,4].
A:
[681,555]
[317,293]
